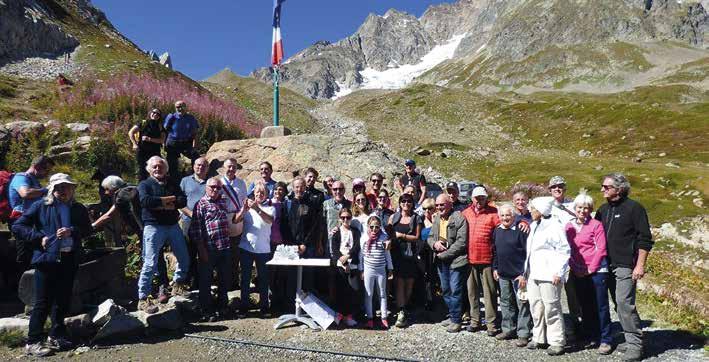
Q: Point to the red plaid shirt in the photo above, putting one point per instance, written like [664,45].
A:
[210,223]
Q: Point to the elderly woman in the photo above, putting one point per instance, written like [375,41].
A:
[54,228]
[405,227]
[546,271]
[590,267]
[255,246]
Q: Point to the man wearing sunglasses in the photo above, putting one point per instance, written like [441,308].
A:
[181,128]
[449,241]
[376,180]
[629,241]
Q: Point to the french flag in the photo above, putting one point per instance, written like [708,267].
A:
[277,50]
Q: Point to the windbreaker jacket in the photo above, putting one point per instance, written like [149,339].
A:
[548,251]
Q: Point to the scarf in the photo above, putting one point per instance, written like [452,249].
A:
[373,236]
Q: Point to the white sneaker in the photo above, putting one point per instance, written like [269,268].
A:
[37,350]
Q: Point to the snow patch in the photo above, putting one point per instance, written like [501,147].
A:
[395,78]
[344,90]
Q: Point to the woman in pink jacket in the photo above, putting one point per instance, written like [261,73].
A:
[590,267]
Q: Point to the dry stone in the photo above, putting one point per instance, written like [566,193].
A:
[120,325]
[14,324]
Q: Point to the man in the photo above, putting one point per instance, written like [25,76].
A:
[194,187]
[563,212]
[23,191]
[266,170]
[300,227]
[314,196]
[376,181]
[209,230]
[234,192]
[629,241]
[160,198]
[482,220]
[417,180]
[449,241]
[181,128]
[523,218]
[454,194]
[331,217]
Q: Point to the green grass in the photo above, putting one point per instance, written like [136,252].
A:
[12,339]
[257,98]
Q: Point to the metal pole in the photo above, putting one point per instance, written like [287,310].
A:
[275,96]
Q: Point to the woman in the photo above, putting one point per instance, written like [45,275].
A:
[277,274]
[375,261]
[383,209]
[405,227]
[360,211]
[54,228]
[546,271]
[427,255]
[147,137]
[345,258]
[255,246]
[590,267]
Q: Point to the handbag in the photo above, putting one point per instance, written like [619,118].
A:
[235,228]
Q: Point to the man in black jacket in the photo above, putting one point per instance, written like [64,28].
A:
[160,198]
[629,242]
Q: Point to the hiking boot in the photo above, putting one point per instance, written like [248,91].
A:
[521,342]
[446,322]
[163,295]
[632,355]
[180,289]
[37,350]
[147,305]
[505,336]
[385,323]
[349,321]
[535,345]
[454,328]
[492,332]
[622,347]
[401,321]
[265,314]
[555,350]
[474,328]
[604,349]
[59,343]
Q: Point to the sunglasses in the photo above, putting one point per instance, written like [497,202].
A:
[375,180]
[374,227]
[345,217]
[557,187]
[428,208]
[406,202]
[338,189]
[440,205]
[213,187]
[361,200]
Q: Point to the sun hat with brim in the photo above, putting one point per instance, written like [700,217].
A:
[58,179]
[479,191]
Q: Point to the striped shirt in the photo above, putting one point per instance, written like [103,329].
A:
[376,257]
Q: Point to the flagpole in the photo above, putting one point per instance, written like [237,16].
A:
[275,95]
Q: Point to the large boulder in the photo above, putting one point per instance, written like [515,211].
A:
[120,325]
[65,150]
[14,324]
[105,311]
[80,326]
[167,318]
[344,158]
[18,130]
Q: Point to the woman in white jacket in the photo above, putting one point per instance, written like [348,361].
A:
[546,269]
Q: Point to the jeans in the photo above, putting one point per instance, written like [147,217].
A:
[452,287]
[53,286]
[625,301]
[516,317]
[592,292]
[481,281]
[247,262]
[545,304]
[221,261]
[154,238]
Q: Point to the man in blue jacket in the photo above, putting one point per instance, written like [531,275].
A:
[181,128]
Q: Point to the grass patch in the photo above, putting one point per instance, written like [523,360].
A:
[655,307]
[12,339]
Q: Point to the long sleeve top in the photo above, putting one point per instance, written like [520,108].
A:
[627,230]
[588,246]
[509,251]
[376,256]
[150,191]
[548,251]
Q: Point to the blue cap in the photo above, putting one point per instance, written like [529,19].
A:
[410,162]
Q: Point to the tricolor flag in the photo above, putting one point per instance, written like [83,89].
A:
[277,50]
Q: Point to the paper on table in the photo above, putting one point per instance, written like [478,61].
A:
[318,310]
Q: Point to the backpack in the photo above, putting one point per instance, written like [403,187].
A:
[5,209]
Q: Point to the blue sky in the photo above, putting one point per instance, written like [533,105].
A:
[206,36]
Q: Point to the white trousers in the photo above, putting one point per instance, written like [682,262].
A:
[372,279]
[545,304]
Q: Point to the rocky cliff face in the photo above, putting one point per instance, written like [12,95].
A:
[496,31]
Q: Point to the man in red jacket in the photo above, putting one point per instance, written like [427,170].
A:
[482,220]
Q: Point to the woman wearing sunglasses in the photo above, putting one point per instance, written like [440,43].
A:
[147,137]
[383,203]
[360,210]
[345,257]
[375,261]
[405,227]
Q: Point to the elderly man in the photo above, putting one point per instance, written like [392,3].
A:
[415,179]
[23,191]
[194,187]
[181,128]
[454,194]
[209,231]
[160,198]
[482,220]
[315,198]
[563,212]
[629,241]
[449,241]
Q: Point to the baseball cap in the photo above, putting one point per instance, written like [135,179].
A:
[479,191]
[556,180]
[452,185]
[410,162]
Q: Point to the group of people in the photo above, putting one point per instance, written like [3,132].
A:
[524,253]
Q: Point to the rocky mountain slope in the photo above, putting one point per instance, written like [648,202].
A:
[510,44]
